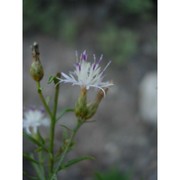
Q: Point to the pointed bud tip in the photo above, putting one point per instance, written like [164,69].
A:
[35,44]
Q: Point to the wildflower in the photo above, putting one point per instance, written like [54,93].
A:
[33,119]
[87,74]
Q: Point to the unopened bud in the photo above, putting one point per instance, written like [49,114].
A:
[92,108]
[36,69]
[81,105]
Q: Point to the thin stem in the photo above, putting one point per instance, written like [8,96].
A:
[43,99]
[56,99]
[51,117]
[52,128]
[38,169]
[68,146]
[41,161]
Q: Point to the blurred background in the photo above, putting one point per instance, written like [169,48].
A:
[123,136]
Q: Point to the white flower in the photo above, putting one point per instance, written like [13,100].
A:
[87,74]
[33,119]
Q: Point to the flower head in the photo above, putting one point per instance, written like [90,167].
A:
[33,119]
[87,74]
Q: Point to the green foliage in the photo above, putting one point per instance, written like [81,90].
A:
[112,174]
[58,17]
[40,16]
[68,30]
[119,44]
[139,7]
[30,158]
[75,161]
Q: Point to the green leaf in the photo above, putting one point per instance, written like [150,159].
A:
[113,174]
[67,128]
[39,149]
[98,176]
[36,141]
[30,158]
[30,177]
[63,112]
[32,139]
[38,169]
[40,138]
[53,177]
[51,79]
[65,131]
[75,161]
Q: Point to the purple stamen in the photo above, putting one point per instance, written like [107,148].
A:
[32,108]
[42,110]
[78,66]
[94,65]
[83,56]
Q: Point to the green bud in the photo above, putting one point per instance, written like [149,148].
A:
[92,108]
[81,109]
[36,69]
[84,111]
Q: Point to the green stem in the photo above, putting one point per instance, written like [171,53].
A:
[43,99]
[52,128]
[51,117]
[56,100]
[38,169]
[41,161]
[68,146]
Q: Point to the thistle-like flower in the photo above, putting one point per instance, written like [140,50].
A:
[33,119]
[87,74]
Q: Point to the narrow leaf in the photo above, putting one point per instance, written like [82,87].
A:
[67,128]
[30,177]
[63,112]
[28,157]
[32,139]
[35,141]
[75,161]
[40,137]
[53,177]
[51,79]
[38,169]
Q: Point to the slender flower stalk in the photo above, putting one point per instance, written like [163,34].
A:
[53,122]
[87,74]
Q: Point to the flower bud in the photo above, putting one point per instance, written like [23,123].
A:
[81,105]
[92,108]
[36,69]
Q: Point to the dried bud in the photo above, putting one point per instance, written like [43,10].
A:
[36,69]
[92,108]
[100,95]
